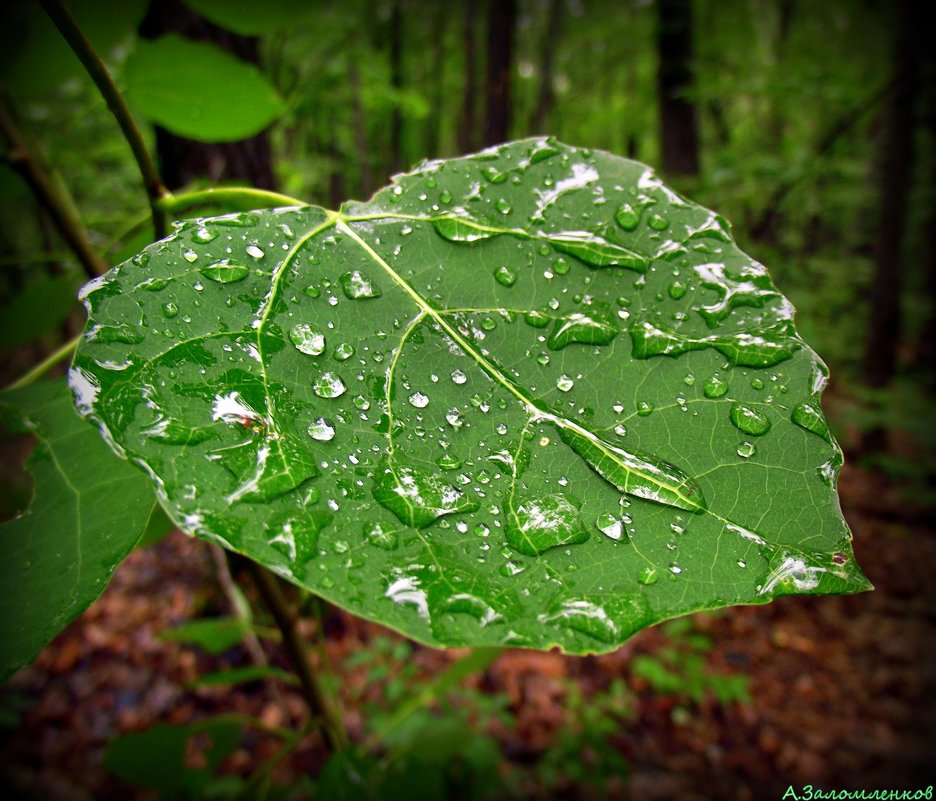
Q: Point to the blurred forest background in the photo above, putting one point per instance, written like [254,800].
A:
[810,126]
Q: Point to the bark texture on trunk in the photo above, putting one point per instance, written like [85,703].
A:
[679,128]
[502,15]
[183,160]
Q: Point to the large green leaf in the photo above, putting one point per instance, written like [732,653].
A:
[196,90]
[527,397]
[87,513]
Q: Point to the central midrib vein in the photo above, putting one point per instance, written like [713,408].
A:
[486,365]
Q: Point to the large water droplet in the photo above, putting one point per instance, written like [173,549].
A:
[639,475]
[322,430]
[418,498]
[596,251]
[564,383]
[749,420]
[449,461]
[505,276]
[627,217]
[344,351]
[536,319]
[203,234]
[594,327]
[307,339]
[457,229]
[226,271]
[611,526]
[606,619]
[715,387]
[419,400]
[382,536]
[676,290]
[534,525]
[266,467]
[357,286]
[328,385]
[648,575]
[255,252]
[459,377]
[809,416]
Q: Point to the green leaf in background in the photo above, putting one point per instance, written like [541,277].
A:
[250,18]
[160,757]
[38,309]
[215,635]
[529,397]
[35,56]
[196,90]
[88,511]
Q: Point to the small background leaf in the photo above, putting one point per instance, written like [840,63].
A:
[38,309]
[196,90]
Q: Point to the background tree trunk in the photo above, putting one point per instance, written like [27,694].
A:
[894,169]
[468,129]
[679,128]
[547,94]
[183,160]
[396,81]
[895,163]
[501,21]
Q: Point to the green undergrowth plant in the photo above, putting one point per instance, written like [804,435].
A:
[529,397]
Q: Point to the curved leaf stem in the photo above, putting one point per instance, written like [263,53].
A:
[46,364]
[333,728]
[242,197]
[62,17]
[26,158]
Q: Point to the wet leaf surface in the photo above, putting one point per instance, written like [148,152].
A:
[531,397]
[87,513]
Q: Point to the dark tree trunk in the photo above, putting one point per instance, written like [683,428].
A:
[679,129]
[502,16]
[547,94]
[926,345]
[437,79]
[396,81]
[360,130]
[895,165]
[468,130]
[183,160]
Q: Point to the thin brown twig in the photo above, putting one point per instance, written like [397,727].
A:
[62,17]
[28,163]
[333,728]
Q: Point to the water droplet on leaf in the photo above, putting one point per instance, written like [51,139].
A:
[328,385]
[307,339]
[749,420]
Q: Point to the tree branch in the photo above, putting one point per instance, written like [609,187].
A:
[842,126]
[240,197]
[46,364]
[332,725]
[28,164]
[62,17]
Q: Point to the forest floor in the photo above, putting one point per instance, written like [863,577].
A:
[841,689]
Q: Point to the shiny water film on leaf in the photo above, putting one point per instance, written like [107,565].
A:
[527,397]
